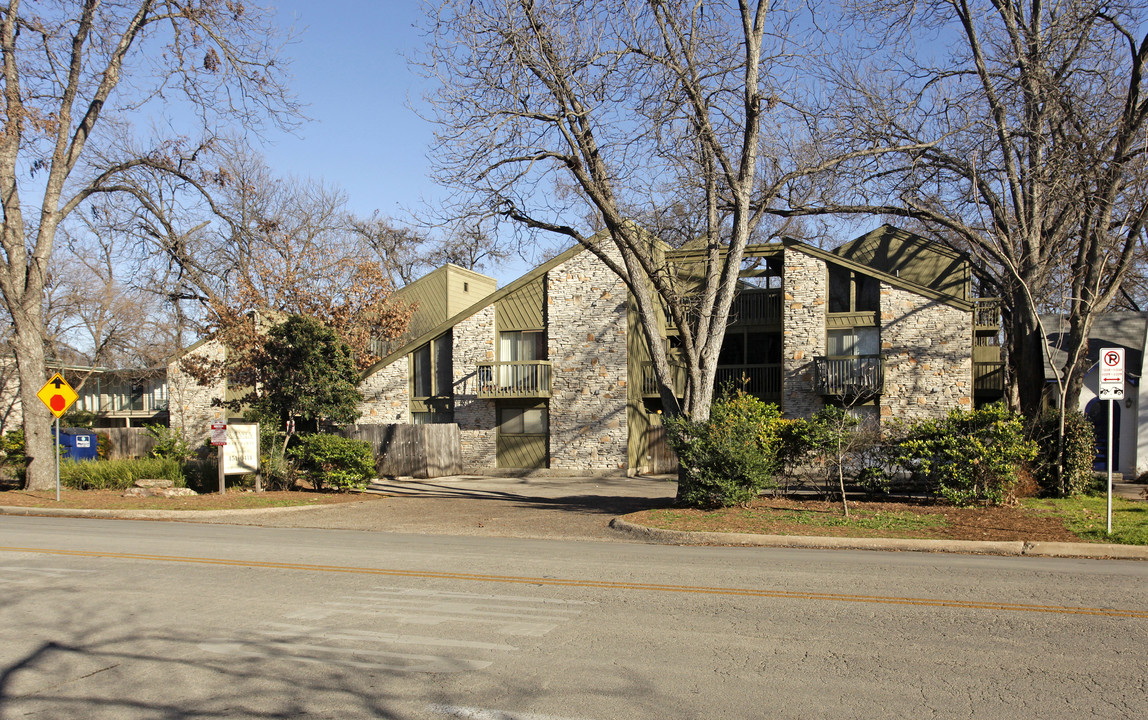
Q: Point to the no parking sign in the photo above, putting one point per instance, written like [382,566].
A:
[1111,373]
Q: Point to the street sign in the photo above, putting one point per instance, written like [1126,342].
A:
[1111,374]
[219,434]
[58,395]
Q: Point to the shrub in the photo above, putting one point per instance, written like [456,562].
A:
[730,458]
[278,471]
[14,457]
[118,474]
[103,446]
[968,457]
[1079,453]
[330,460]
[170,443]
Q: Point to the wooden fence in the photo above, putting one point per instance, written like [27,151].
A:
[422,451]
[127,442]
[662,459]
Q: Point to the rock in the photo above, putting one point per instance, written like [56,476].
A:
[154,483]
[159,491]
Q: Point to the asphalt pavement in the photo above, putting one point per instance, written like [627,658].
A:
[568,508]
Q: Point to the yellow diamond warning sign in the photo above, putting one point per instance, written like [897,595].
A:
[57,394]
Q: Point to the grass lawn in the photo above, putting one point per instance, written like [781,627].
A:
[1087,517]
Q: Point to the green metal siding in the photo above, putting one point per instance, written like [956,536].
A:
[522,451]
[523,309]
[913,258]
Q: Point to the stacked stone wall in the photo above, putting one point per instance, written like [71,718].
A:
[586,319]
[386,395]
[805,289]
[473,342]
[190,406]
[927,347]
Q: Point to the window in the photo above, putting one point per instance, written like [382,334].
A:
[432,368]
[523,421]
[431,418]
[850,291]
[848,342]
[522,345]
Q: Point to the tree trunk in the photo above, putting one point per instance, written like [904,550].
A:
[1026,358]
[38,443]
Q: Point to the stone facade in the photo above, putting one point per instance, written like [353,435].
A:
[927,347]
[386,395]
[189,403]
[804,292]
[586,319]
[473,342]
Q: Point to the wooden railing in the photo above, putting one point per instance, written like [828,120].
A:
[988,377]
[760,380]
[756,307]
[650,381]
[987,313]
[852,377]
[514,379]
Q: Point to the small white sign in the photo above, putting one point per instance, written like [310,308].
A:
[83,441]
[1111,374]
[241,453]
[218,434]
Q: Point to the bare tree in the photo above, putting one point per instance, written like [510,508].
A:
[1036,115]
[72,73]
[579,116]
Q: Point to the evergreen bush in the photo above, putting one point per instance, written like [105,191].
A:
[730,458]
[1079,453]
[333,461]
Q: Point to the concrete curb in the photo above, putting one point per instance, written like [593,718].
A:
[973,547]
[190,515]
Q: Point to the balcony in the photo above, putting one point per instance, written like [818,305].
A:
[756,307]
[650,381]
[988,378]
[764,381]
[987,314]
[854,377]
[514,379]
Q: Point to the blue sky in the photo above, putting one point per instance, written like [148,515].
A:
[349,70]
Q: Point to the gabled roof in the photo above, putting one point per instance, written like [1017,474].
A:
[907,255]
[896,281]
[1124,329]
[487,301]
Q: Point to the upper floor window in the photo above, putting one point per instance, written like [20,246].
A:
[850,291]
[432,368]
[522,345]
[849,342]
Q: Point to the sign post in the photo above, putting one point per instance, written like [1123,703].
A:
[219,440]
[1111,389]
[58,395]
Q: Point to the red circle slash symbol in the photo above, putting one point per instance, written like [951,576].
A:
[58,403]
[1112,358]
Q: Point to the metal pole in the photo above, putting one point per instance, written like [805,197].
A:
[57,459]
[221,488]
[1110,401]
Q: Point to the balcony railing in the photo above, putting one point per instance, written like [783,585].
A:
[987,313]
[851,377]
[756,307]
[761,380]
[514,379]
[988,377]
[650,381]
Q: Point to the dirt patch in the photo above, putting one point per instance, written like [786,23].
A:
[868,519]
[115,500]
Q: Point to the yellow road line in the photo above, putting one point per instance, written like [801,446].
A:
[600,584]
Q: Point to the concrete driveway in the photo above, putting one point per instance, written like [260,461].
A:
[568,507]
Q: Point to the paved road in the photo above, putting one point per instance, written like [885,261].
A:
[131,619]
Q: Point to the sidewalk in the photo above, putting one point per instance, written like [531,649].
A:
[559,508]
